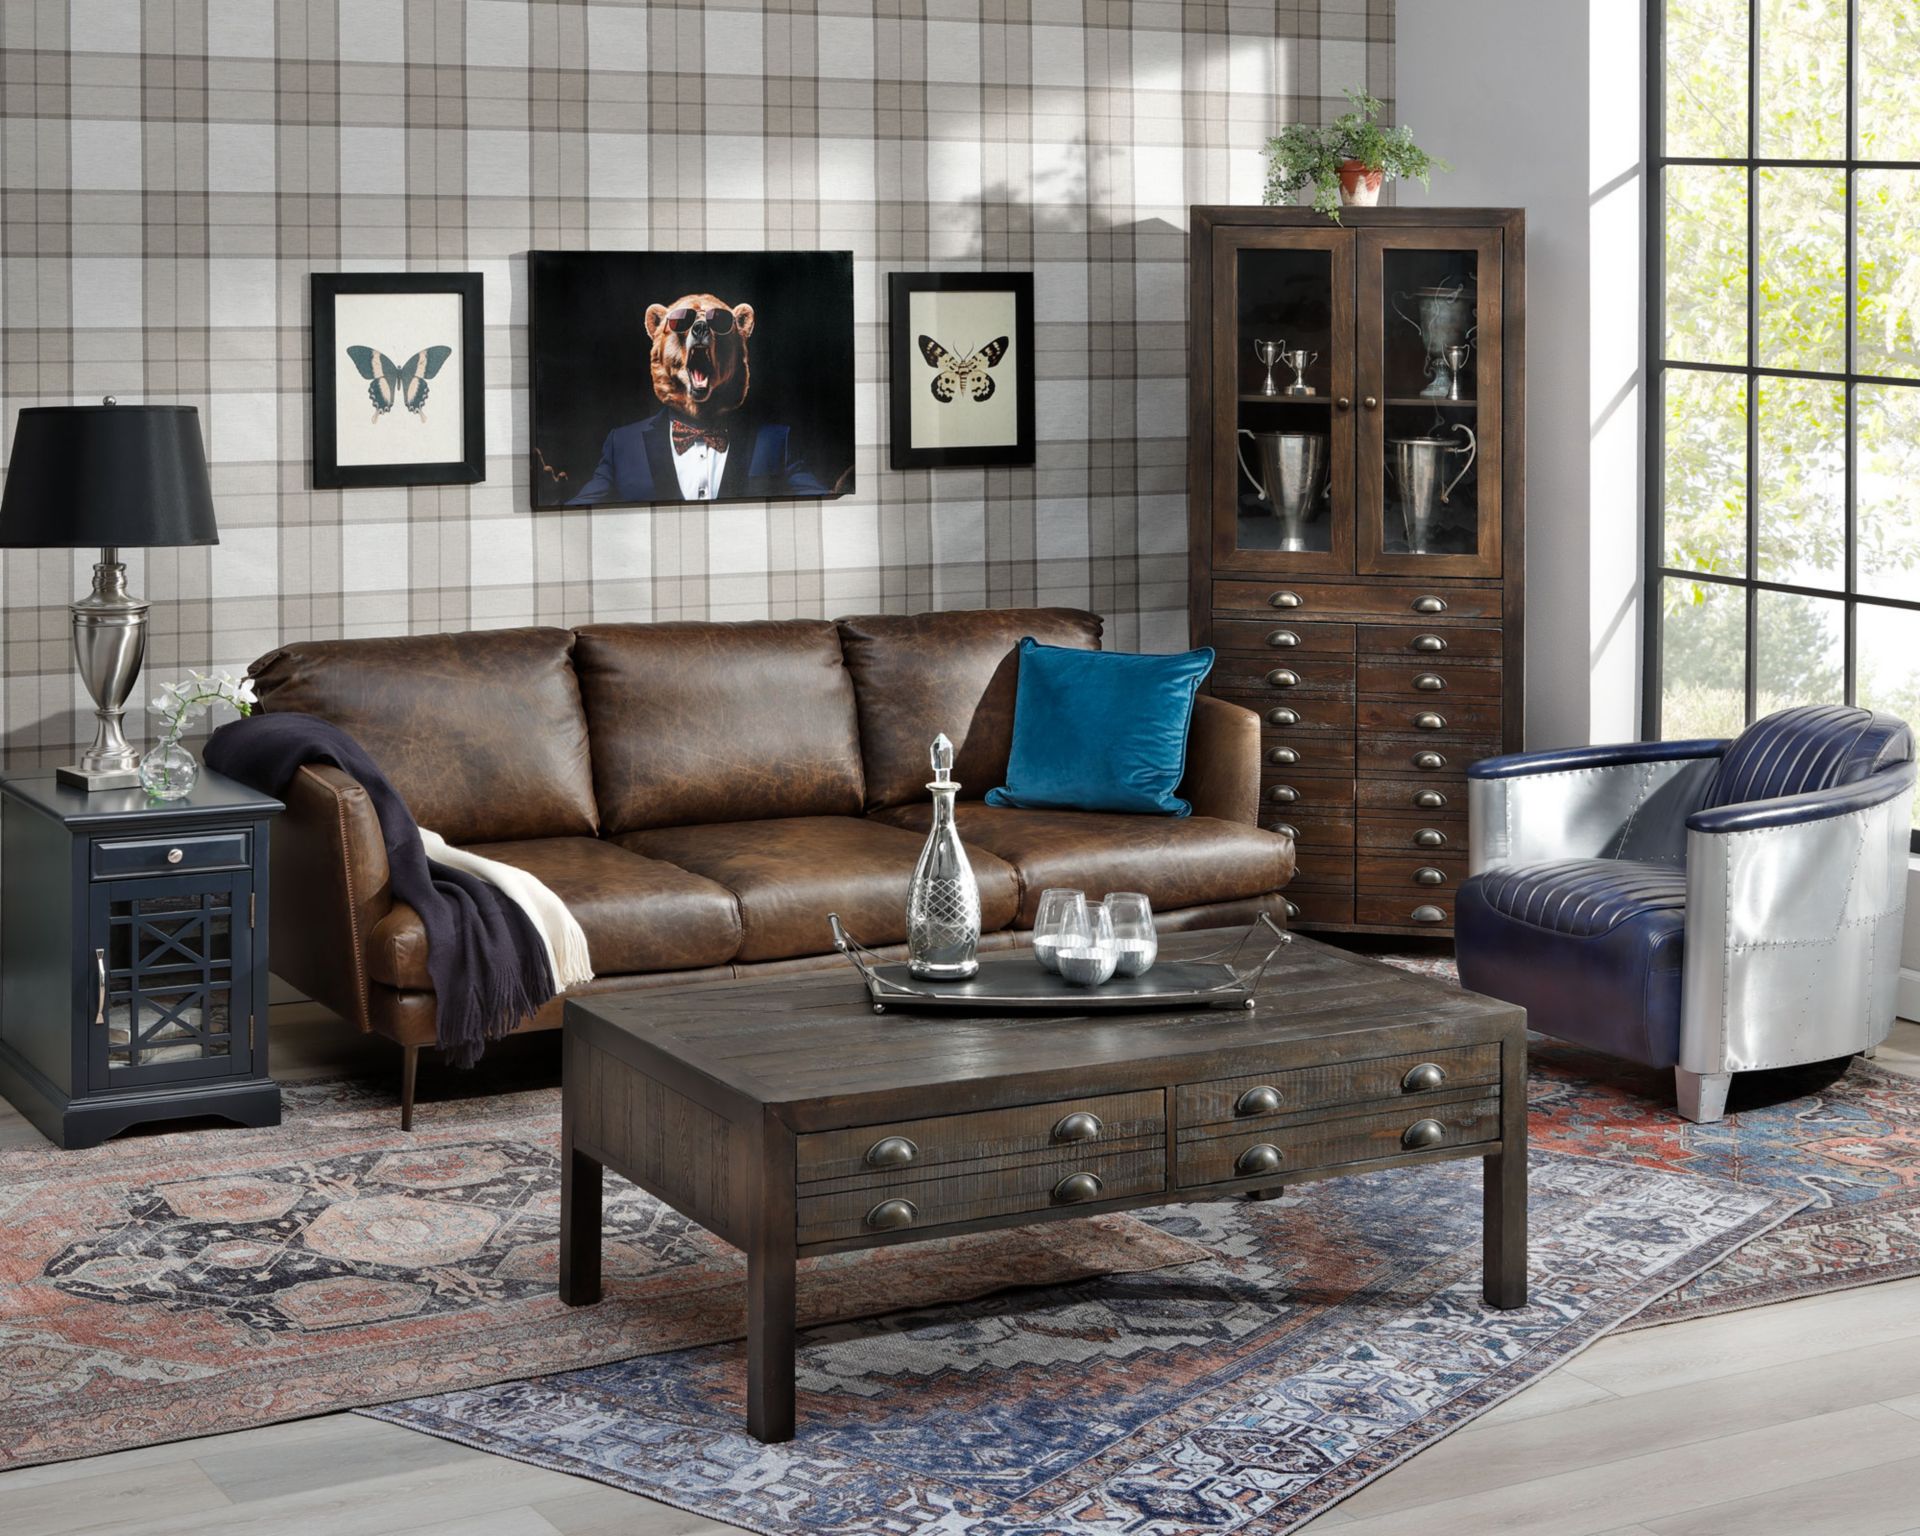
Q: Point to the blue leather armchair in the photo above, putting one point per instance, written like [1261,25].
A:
[1712,906]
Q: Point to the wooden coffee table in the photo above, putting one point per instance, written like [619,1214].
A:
[786,1117]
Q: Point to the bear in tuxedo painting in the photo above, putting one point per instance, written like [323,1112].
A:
[736,413]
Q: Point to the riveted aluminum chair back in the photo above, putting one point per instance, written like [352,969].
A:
[1812,746]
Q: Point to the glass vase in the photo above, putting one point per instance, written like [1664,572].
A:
[168,771]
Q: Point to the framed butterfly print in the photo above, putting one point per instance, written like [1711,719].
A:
[961,385]
[398,386]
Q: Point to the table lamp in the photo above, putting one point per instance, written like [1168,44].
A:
[113,476]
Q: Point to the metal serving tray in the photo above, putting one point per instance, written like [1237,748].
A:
[1015,983]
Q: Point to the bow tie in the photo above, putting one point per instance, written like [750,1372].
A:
[684,437]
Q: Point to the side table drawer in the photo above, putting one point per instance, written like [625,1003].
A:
[1233,1100]
[872,1208]
[116,858]
[920,1149]
[1328,1143]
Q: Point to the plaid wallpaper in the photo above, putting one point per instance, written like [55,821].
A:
[173,169]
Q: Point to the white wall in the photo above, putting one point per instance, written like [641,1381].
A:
[1537,105]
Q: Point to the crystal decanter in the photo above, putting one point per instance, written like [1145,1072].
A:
[943,903]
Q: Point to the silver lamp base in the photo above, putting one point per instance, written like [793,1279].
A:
[109,645]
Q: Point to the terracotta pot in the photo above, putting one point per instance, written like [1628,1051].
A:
[1360,187]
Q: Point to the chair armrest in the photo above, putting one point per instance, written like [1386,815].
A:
[1795,907]
[1611,802]
[1223,761]
[331,887]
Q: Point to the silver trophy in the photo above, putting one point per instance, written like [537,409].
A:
[1269,352]
[1292,478]
[943,902]
[1418,466]
[1445,320]
[1457,367]
[1299,362]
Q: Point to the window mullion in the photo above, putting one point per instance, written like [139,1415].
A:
[1753,357]
[1849,480]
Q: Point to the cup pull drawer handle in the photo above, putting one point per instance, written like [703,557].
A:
[1283,639]
[1428,762]
[1286,757]
[1076,1187]
[1293,912]
[1264,1100]
[1283,794]
[1423,1133]
[1283,677]
[1428,875]
[1285,600]
[1430,682]
[1429,800]
[1429,837]
[1078,1126]
[1262,1157]
[1429,605]
[1424,1078]
[1429,643]
[889,1215]
[891,1152]
[1283,716]
[1288,828]
[1428,914]
[1427,720]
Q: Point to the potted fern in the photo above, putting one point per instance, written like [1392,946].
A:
[1346,161]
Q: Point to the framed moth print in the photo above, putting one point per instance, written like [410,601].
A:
[961,345]
[398,392]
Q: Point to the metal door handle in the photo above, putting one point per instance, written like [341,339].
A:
[1371,402]
[1262,1157]
[1076,1187]
[1344,403]
[100,986]
[1078,1126]
[175,855]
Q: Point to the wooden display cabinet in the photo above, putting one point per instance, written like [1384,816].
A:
[1356,530]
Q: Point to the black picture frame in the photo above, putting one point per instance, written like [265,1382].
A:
[471,467]
[912,370]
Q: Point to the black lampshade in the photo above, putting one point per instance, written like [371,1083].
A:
[89,476]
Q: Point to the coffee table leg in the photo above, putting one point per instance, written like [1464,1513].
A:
[1504,1209]
[770,1326]
[580,1181]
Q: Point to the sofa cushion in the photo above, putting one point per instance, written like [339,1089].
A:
[1591,948]
[915,676]
[1812,746]
[700,723]
[638,913]
[1177,863]
[788,874]
[482,734]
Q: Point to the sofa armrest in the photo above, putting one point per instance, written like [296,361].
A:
[1223,761]
[331,887]
[1612,802]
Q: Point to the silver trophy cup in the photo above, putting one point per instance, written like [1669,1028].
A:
[1419,467]
[1269,352]
[1292,478]
[1299,361]
[1445,320]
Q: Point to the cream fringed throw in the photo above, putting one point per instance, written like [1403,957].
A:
[559,930]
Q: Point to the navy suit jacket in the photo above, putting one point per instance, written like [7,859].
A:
[636,464]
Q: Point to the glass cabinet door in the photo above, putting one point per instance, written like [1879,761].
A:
[1428,495]
[1282,472]
[163,962]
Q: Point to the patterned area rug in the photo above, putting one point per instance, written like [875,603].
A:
[186,1284]
[1845,1134]
[1330,1335]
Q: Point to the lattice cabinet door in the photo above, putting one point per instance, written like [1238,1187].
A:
[171,979]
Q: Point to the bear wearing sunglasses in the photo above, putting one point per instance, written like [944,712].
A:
[699,446]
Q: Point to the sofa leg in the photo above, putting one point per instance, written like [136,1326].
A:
[1702,1095]
[409,1075]
[1870,1052]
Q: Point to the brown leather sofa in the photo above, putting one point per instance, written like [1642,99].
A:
[702,794]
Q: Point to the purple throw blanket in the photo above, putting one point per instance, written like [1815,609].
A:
[488,964]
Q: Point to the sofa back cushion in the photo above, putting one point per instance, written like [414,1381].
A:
[700,723]
[920,674]
[482,733]
[1812,746]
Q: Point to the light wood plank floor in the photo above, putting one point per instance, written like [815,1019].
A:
[1796,1420]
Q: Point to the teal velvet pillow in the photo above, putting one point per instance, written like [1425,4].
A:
[1101,730]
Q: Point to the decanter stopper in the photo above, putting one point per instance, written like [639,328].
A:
[942,755]
[943,900]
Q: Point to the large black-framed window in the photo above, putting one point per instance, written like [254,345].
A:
[1783,347]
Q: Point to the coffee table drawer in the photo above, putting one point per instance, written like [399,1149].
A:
[1263,1098]
[1328,1143]
[1044,1183]
[915,1148]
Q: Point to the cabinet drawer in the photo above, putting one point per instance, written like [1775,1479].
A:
[1286,677]
[1416,795]
[116,858]
[1291,752]
[1435,716]
[1304,791]
[1316,712]
[1341,600]
[1399,679]
[862,1151]
[1415,755]
[1253,637]
[1331,1142]
[1314,829]
[1416,909]
[1392,873]
[1428,640]
[1201,1108]
[1436,832]
[1322,868]
[1319,906]
[963,1192]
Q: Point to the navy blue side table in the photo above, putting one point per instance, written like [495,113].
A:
[133,956]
